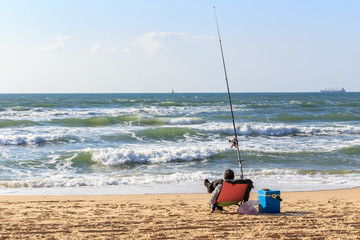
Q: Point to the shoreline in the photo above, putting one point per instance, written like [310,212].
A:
[165,188]
[164,193]
[325,214]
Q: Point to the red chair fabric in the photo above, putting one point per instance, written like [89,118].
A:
[232,193]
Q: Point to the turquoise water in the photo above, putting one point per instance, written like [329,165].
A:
[104,142]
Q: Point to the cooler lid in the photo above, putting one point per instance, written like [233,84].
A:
[268,192]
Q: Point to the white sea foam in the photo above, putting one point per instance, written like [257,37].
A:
[38,135]
[291,145]
[282,179]
[29,140]
[292,180]
[250,129]
[271,130]
[278,129]
[82,180]
[154,154]
[184,121]
[49,114]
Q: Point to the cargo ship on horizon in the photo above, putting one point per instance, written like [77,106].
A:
[333,90]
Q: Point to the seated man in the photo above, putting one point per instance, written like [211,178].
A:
[216,186]
[228,175]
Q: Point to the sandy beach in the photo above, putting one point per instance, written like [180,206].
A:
[331,214]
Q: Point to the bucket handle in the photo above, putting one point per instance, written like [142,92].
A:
[276,197]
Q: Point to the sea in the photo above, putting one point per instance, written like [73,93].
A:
[169,143]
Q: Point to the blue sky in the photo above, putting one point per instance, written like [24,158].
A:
[154,46]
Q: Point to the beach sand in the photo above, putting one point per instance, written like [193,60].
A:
[331,214]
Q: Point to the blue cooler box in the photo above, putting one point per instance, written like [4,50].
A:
[269,201]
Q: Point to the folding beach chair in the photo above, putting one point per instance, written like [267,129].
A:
[233,193]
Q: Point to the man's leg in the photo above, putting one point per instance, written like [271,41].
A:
[212,185]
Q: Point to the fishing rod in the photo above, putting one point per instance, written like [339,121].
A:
[235,140]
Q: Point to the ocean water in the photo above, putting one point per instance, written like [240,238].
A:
[169,143]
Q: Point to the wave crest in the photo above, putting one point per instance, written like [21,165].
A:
[114,156]
[35,139]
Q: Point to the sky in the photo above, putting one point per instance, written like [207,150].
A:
[118,46]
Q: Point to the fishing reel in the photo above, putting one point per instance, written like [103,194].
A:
[234,143]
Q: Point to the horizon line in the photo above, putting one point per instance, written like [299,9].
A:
[224,92]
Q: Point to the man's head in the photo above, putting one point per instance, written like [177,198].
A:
[229,174]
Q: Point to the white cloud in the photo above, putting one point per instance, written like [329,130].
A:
[62,41]
[113,49]
[95,48]
[98,47]
[149,42]
[154,41]
[126,50]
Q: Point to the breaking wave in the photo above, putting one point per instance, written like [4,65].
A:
[345,117]
[114,156]
[7,140]
[300,179]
